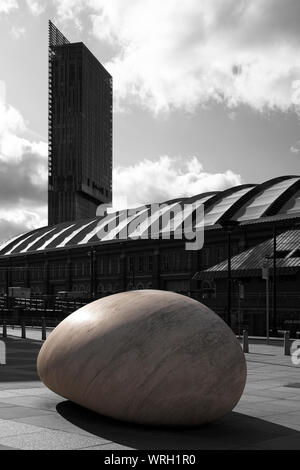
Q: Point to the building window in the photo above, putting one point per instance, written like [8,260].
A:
[100,289]
[177,264]
[38,273]
[206,256]
[189,261]
[165,263]
[150,263]
[220,254]
[109,265]
[101,266]
[131,264]
[51,272]
[141,263]
[86,268]
[234,249]
[118,265]
[61,271]
[109,289]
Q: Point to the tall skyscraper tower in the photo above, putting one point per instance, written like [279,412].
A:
[80,131]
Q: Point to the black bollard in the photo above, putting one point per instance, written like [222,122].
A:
[23,326]
[287,347]
[245,341]
[4,331]
[44,329]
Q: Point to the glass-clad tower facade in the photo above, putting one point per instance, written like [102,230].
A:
[80,131]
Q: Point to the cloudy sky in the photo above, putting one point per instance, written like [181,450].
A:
[207,95]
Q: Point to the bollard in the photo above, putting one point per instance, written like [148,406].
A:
[245,341]
[23,326]
[287,351]
[4,331]
[43,329]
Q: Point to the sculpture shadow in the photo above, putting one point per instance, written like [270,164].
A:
[235,431]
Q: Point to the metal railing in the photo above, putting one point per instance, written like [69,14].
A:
[26,331]
[17,310]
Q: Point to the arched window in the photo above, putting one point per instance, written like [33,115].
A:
[141,263]
[100,289]
[100,265]
[208,289]
[206,285]
[109,265]
[36,290]
[109,289]
[86,268]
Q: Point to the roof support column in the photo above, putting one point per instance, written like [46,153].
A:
[69,274]
[46,278]
[156,269]
[123,279]
[275,333]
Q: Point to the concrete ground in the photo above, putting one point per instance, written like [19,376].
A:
[33,417]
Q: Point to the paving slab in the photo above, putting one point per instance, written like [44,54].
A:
[55,422]
[10,428]
[16,385]
[40,403]
[28,392]
[12,412]
[110,446]
[50,440]
[33,417]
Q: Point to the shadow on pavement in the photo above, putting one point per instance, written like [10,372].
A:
[236,430]
[21,356]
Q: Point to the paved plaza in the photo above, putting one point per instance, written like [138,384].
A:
[33,417]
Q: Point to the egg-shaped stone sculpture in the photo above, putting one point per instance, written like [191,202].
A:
[147,356]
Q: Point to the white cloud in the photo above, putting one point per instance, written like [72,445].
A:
[37,7]
[10,118]
[70,10]
[23,174]
[18,31]
[21,221]
[6,6]
[174,54]
[295,148]
[167,178]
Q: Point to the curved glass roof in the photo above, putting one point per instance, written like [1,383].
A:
[292,206]
[263,200]
[216,212]
[243,203]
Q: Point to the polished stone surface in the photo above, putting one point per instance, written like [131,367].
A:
[149,357]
